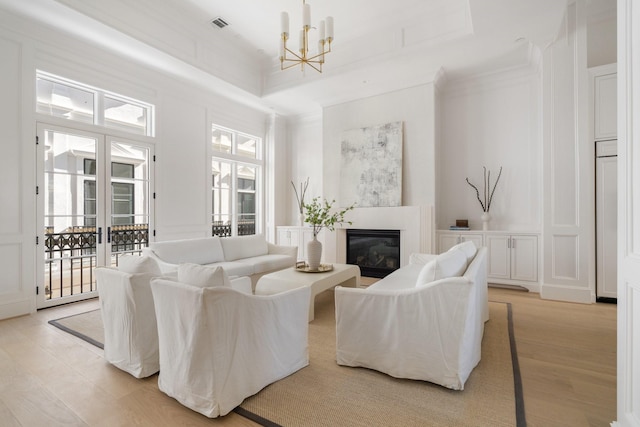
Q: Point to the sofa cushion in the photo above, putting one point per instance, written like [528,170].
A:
[468,248]
[134,264]
[202,276]
[233,268]
[244,247]
[196,251]
[447,264]
[266,263]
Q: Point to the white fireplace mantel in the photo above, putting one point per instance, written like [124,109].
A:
[416,225]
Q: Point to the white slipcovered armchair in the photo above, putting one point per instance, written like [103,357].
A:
[126,303]
[424,321]
[219,346]
[128,312]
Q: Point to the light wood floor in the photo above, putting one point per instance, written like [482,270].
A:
[50,378]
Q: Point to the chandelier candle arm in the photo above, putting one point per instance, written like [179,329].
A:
[325,37]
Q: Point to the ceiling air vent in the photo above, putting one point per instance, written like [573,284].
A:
[219,22]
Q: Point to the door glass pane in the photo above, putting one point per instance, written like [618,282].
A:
[69,215]
[246,200]
[221,198]
[130,201]
[65,101]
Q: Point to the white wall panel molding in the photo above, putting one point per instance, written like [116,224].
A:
[17,175]
[568,227]
[565,263]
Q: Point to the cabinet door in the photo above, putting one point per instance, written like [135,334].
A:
[447,240]
[605,99]
[524,258]
[283,237]
[498,256]
[607,227]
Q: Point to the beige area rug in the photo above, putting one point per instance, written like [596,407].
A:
[326,394]
[87,326]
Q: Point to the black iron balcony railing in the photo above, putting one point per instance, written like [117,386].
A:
[223,229]
[70,256]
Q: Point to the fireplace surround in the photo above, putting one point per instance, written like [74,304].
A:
[376,252]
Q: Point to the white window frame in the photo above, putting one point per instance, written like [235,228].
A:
[98,102]
[237,160]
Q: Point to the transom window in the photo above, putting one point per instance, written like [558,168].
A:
[236,167]
[67,99]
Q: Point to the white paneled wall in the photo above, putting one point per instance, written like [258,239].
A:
[17,235]
[491,121]
[569,227]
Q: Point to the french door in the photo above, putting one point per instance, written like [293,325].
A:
[94,204]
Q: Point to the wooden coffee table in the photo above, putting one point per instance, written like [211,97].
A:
[290,278]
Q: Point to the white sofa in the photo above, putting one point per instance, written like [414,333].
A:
[424,321]
[219,346]
[250,256]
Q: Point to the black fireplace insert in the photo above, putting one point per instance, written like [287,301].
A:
[376,252]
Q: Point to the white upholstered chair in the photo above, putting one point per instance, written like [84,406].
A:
[128,315]
[219,346]
[426,329]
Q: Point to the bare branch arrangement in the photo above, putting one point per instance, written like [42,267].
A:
[301,194]
[485,201]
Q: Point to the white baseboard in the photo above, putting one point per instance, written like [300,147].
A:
[567,293]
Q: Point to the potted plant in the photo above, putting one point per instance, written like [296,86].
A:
[319,216]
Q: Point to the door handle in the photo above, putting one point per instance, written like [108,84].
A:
[108,234]
[99,235]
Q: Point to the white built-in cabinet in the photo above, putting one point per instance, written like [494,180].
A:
[512,258]
[295,236]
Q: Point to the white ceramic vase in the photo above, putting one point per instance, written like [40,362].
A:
[486,217]
[301,219]
[314,253]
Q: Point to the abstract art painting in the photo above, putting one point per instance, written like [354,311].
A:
[371,169]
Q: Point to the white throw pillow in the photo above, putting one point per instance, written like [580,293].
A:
[134,264]
[468,248]
[447,264]
[202,276]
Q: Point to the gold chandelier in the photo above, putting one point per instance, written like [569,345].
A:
[325,37]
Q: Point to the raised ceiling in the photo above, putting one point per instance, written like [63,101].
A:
[379,45]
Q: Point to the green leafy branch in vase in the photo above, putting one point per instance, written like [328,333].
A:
[319,215]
